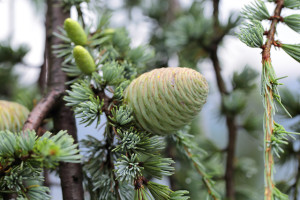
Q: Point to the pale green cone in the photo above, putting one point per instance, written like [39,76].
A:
[165,100]
[84,60]
[12,116]
[75,31]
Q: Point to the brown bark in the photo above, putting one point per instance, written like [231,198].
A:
[70,173]
[10,196]
[230,121]
[41,110]
[229,174]
[173,9]
[297,179]
[43,78]
[272,31]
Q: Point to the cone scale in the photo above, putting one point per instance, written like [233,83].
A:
[165,100]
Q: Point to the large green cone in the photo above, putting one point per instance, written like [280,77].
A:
[164,100]
[12,116]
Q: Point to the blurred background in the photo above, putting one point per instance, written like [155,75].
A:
[183,33]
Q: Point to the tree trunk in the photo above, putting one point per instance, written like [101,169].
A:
[70,173]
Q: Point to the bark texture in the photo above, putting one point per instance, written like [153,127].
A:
[70,173]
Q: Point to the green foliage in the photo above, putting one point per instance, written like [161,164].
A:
[244,80]
[22,156]
[279,137]
[291,102]
[293,21]
[128,168]
[234,103]
[12,55]
[293,4]
[152,191]
[80,92]
[292,50]
[252,34]
[122,115]
[141,143]
[275,136]
[255,11]
[192,152]
[89,111]
[112,73]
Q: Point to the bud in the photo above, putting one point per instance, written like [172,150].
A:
[12,116]
[75,32]
[84,60]
[109,31]
[165,100]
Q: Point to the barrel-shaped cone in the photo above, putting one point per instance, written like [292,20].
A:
[75,32]
[84,60]
[165,100]
[12,116]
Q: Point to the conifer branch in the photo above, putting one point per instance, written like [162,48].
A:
[41,110]
[205,180]
[230,121]
[268,102]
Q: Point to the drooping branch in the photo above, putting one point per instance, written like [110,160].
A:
[230,120]
[206,182]
[41,110]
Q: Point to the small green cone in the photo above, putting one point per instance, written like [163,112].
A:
[84,60]
[75,32]
[109,31]
[12,116]
[165,100]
